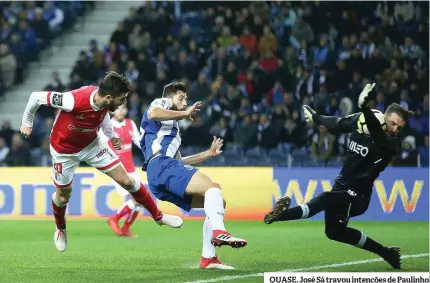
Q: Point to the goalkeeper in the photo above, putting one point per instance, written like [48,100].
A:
[366,157]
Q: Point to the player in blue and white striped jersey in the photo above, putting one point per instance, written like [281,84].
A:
[173,178]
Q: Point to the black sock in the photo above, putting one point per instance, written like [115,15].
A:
[292,214]
[314,206]
[374,247]
[358,239]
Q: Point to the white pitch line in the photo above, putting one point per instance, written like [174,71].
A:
[234,277]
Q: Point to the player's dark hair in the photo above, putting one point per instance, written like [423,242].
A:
[172,88]
[399,110]
[114,84]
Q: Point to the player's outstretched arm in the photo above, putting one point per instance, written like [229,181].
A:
[213,151]
[161,114]
[376,131]
[63,101]
[158,113]
[334,124]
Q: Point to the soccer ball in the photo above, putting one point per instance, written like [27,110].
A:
[361,123]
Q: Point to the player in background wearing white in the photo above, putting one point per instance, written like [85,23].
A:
[126,129]
[172,178]
[74,138]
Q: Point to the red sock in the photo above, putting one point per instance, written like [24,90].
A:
[125,210]
[130,219]
[143,197]
[59,215]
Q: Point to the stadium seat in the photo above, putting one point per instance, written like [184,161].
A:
[280,160]
[255,152]
[285,147]
[233,152]
[300,153]
[275,152]
[296,162]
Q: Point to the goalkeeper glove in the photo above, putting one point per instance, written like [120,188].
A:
[308,113]
[363,98]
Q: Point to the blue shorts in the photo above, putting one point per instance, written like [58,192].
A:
[168,179]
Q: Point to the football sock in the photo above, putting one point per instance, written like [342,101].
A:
[127,207]
[143,197]
[369,244]
[208,250]
[131,217]
[307,210]
[214,208]
[357,238]
[59,210]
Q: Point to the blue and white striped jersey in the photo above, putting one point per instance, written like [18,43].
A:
[159,136]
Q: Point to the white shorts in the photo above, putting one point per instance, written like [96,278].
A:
[98,154]
[123,192]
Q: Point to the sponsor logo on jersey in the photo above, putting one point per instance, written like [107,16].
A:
[72,127]
[358,148]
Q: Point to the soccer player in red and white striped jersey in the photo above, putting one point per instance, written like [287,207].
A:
[74,138]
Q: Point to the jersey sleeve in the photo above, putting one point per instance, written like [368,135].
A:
[348,124]
[136,135]
[165,103]
[107,127]
[337,125]
[378,134]
[63,101]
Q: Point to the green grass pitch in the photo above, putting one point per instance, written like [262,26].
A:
[161,254]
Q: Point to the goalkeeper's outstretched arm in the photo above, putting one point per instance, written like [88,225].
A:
[378,134]
[335,125]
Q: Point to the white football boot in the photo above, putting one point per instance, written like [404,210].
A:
[60,239]
[171,220]
[214,263]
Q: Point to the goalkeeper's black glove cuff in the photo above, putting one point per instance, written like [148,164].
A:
[316,118]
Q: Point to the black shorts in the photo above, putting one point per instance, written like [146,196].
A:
[349,206]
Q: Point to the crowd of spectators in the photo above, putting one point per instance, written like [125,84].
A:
[27,28]
[254,65]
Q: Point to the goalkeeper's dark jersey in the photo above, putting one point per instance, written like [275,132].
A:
[366,155]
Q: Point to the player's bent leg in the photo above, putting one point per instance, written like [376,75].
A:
[209,258]
[201,185]
[282,212]
[132,216]
[64,167]
[143,197]
[130,210]
[124,211]
[136,208]
[336,229]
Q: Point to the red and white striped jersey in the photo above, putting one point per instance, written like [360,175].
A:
[78,121]
[128,132]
